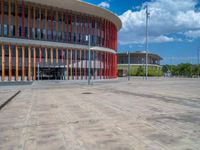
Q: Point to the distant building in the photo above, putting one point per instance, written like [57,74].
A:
[137,59]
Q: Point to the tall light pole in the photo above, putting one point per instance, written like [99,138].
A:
[89,68]
[128,53]
[147,18]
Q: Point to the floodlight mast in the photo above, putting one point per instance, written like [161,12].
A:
[147,19]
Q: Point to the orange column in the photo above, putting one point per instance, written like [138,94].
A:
[56,24]
[34,21]
[51,55]
[9,18]
[67,66]
[29,63]
[17,63]
[2,17]
[57,55]
[71,65]
[93,64]
[40,12]
[22,63]
[46,25]
[3,63]
[80,64]
[16,18]
[100,65]
[85,64]
[76,64]
[97,65]
[34,62]
[29,19]
[10,63]
[105,67]
[46,55]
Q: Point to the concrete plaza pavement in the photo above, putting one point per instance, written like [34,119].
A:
[158,114]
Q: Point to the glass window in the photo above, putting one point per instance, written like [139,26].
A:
[6,50]
[26,32]
[54,53]
[43,34]
[54,35]
[49,34]
[13,30]
[20,31]
[6,8]
[69,36]
[38,34]
[13,9]
[20,60]
[5,30]
[74,37]
[19,10]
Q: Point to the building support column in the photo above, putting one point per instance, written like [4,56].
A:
[23,63]
[56,55]
[46,55]
[29,63]
[23,5]
[17,63]
[93,65]
[57,24]
[40,53]
[104,65]
[40,23]
[9,18]
[97,68]
[107,68]
[51,55]
[71,28]
[3,62]
[80,64]
[51,23]
[16,18]
[10,63]
[62,56]
[29,19]
[85,64]
[71,64]
[46,23]
[34,63]
[100,65]
[2,17]
[34,21]
[76,64]
[67,28]
[67,65]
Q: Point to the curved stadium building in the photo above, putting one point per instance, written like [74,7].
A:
[42,39]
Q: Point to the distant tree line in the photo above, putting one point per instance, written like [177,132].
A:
[182,70]
[141,71]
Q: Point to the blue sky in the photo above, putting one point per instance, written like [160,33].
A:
[174,27]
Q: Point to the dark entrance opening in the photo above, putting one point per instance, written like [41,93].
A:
[49,73]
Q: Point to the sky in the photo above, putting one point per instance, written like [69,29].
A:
[174,27]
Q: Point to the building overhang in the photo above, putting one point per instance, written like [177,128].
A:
[27,42]
[82,7]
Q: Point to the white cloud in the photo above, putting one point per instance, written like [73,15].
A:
[104,5]
[166,18]
[192,34]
